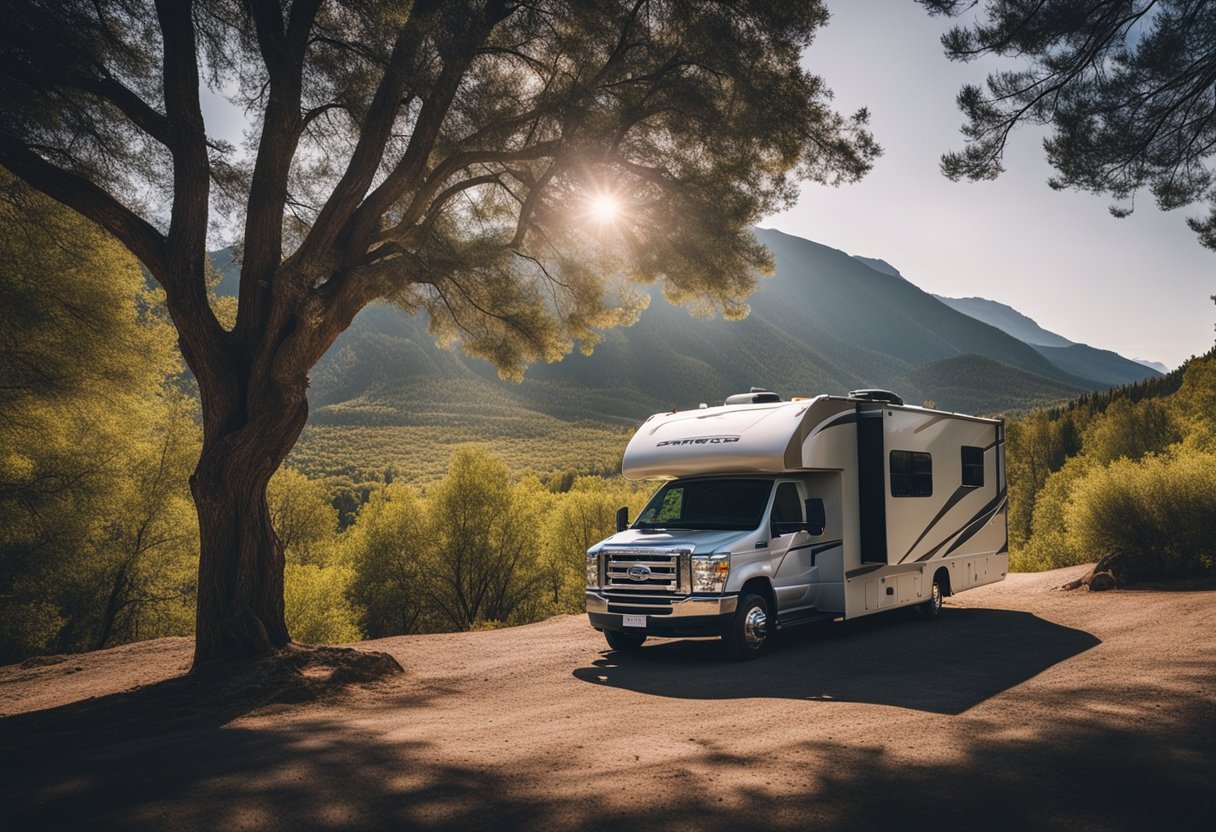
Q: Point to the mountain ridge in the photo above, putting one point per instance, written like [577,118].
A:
[825,321]
[1101,365]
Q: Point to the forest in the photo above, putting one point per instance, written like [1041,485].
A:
[99,540]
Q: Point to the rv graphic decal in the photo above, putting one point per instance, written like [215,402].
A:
[702,440]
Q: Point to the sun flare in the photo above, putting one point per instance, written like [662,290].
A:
[604,208]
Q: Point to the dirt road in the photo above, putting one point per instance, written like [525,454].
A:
[1021,708]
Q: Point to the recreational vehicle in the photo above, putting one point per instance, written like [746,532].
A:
[776,513]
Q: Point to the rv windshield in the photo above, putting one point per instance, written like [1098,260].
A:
[719,505]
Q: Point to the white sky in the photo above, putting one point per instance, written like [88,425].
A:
[1139,285]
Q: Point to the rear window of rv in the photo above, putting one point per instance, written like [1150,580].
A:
[973,466]
[727,505]
[911,474]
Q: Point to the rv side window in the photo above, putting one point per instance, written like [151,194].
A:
[911,474]
[973,466]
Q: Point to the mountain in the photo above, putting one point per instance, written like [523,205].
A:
[1154,365]
[878,265]
[824,322]
[1104,366]
[1007,319]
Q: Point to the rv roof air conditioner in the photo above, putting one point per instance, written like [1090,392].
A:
[876,396]
[757,395]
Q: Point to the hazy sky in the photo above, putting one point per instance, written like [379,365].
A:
[1139,285]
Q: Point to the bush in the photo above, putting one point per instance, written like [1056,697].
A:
[1154,517]
[316,607]
[1052,544]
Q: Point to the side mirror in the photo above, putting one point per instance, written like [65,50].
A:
[816,516]
[622,518]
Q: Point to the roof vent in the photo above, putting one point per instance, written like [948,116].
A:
[757,395]
[876,396]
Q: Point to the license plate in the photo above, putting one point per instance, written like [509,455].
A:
[633,621]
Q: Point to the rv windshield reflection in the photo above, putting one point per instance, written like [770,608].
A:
[711,504]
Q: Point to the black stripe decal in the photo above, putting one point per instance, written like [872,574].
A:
[968,530]
[960,492]
[825,547]
[981,517]
[816,549]
[971,530]
[847,419]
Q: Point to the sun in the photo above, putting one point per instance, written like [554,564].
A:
[604,208]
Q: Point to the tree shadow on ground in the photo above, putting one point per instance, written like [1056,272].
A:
[1101,771]
[198,701]
[946,666]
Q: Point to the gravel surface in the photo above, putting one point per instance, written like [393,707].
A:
[1022,707]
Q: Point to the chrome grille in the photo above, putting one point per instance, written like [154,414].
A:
[652,570]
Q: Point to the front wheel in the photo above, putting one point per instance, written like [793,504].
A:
[749,629]
[932,608]
[624,641]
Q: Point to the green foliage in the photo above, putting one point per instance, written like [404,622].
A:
[1194,405]
[1156,515]
[1129,431]
[576,520]
[97,532]
[387,549]
[303,517]
[485,545]
[317,608]
[1127,474]
[1126,89]
[479,549]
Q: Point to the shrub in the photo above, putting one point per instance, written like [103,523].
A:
[1155,516]
[317,611]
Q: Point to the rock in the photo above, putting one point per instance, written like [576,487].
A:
[1101,581]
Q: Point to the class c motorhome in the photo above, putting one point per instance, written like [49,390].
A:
[775,513]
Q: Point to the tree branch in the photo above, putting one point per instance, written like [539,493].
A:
[283,54]
[141,114]
[373,135]
[86,198]
[426,131]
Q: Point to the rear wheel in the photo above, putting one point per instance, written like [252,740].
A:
[932,608]
[749,629]
[624,641]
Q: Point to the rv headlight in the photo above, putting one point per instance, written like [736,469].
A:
[709,572]
[593,571]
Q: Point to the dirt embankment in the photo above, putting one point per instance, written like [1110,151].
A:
[1023,707]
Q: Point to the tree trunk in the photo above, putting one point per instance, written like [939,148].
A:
[240,577]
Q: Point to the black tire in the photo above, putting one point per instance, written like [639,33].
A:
[750,629]
[932,608]
[625,642]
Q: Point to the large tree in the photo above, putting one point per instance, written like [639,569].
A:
[508,168]
[1127,88]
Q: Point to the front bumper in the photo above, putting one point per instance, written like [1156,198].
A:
[696,615]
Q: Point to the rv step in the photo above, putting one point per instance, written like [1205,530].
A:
[797,619]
